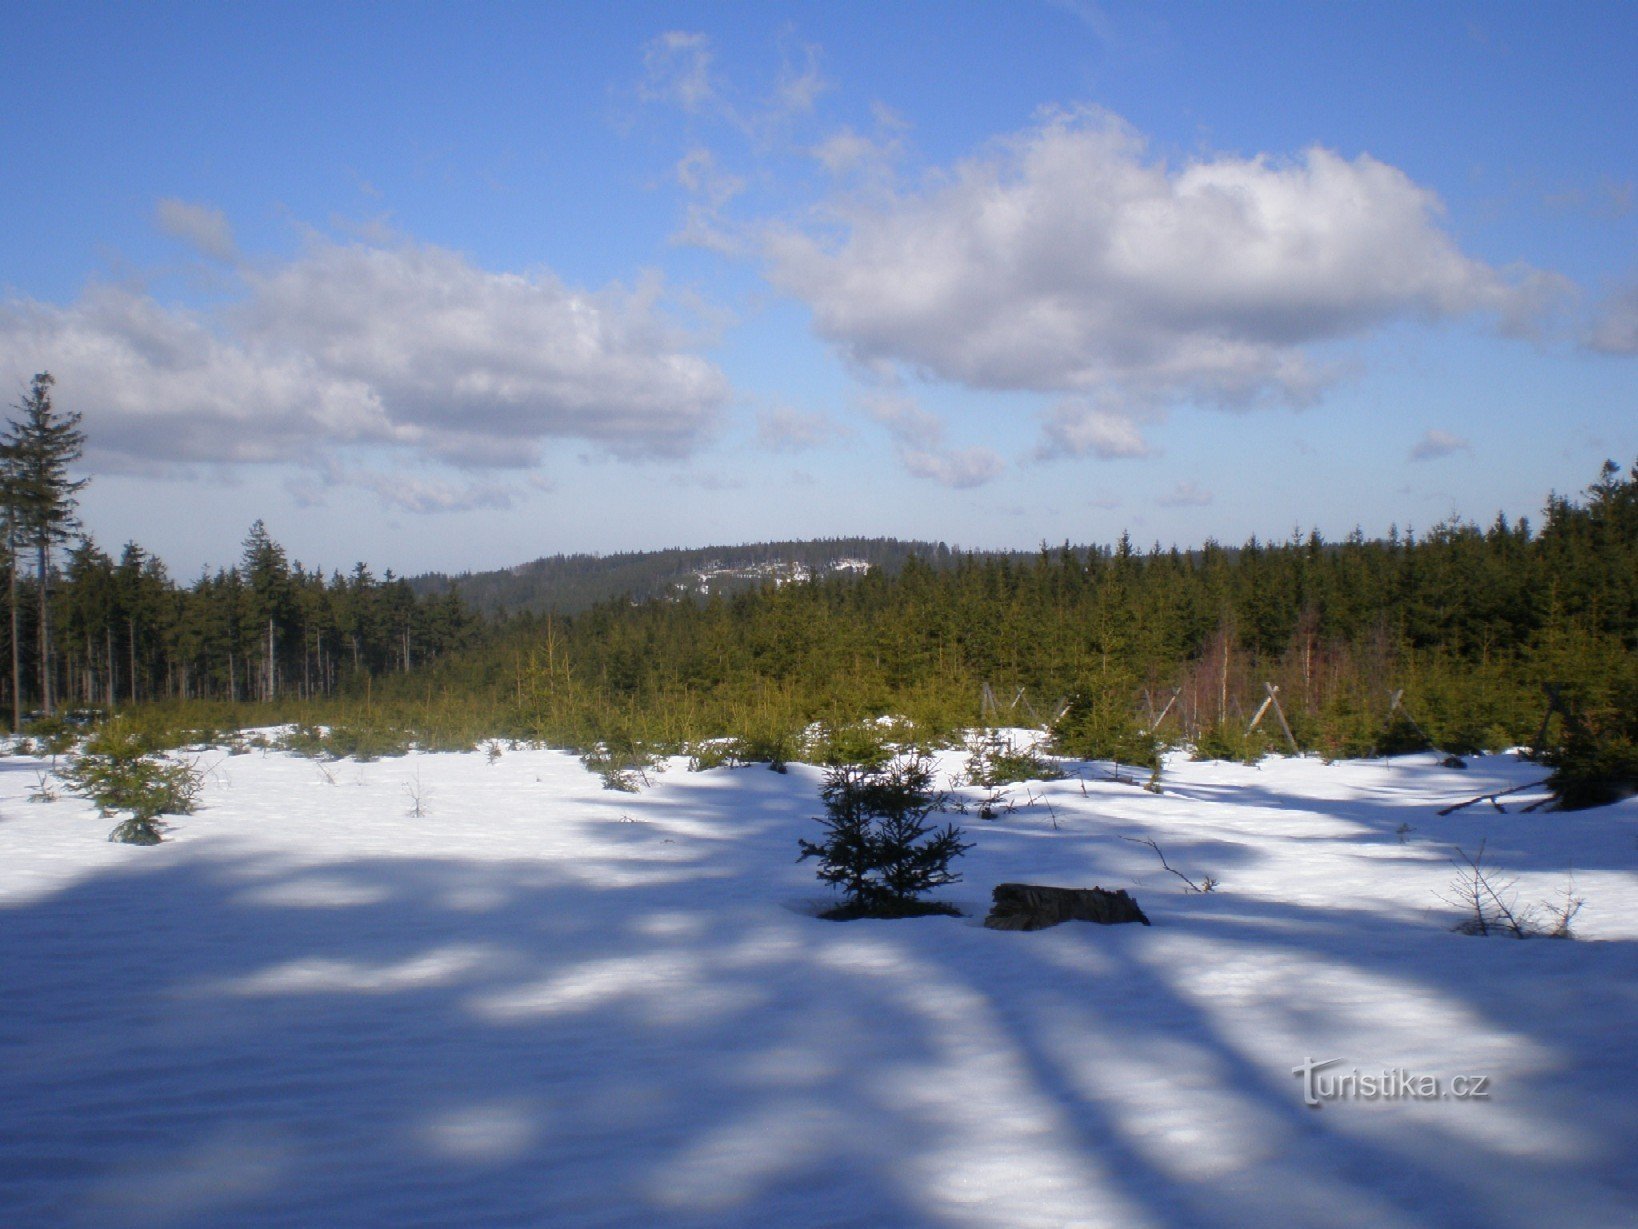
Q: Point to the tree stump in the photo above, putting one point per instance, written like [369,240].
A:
[1029,906]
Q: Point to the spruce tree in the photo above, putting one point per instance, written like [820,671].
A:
[37,450]
[879,848]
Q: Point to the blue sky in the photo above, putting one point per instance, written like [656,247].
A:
[454,286]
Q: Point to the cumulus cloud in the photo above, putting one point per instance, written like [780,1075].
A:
[407,345]
[1615,329]
[1435,444]
[919,441]
[202,228]
[1075,428]
[1066,258]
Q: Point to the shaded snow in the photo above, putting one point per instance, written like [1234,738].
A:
[544,1003]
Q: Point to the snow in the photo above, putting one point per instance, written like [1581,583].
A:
[543,1003]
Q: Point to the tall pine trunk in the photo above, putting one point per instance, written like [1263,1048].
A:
[45,630]
[16,648]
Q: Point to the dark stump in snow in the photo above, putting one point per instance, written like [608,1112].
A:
[1029,906]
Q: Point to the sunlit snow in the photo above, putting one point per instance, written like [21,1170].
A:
[543,1003]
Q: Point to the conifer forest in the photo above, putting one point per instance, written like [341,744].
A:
[1460,636]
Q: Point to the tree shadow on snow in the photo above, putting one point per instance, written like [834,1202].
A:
[207,1036]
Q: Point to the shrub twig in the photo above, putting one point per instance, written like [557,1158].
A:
[1207,884]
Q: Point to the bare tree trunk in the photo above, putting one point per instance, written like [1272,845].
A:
[16,647]
[45,629]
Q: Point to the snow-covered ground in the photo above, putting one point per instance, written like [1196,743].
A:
[542,1003]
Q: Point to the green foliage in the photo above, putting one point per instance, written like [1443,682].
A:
[1228,740]
[365,741]
[118,770]
[709,753]
[879,848]
[993,759]
[1401,736]
[309,741]
[51,736]
[776,749]
[1100,723]
[363,738]
[865,745]
[1597,761]
[1468,622]
[622,760]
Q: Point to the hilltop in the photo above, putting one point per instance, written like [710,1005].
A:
[569,583]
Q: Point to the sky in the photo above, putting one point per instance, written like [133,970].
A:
[449,287]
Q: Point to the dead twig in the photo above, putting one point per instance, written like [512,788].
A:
[1208,884]
[1496,794]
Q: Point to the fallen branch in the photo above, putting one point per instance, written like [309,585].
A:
[1207,885]
[1500,793]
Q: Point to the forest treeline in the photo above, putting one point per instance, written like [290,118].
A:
[1455,636]
[123,631]
[1468,623]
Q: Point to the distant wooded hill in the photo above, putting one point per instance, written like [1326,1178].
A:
[566,584]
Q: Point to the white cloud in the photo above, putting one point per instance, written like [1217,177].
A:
[1075,428]
[677,68]
[710,189]
[1066,258]
[1435,444]
[408,345]
[204,229]
[699,173]
[783,429]
[409,492]
[844,150]
[1615,330]
[919,442]
[960,468]
[797,90]
[904,419]
[1186,495]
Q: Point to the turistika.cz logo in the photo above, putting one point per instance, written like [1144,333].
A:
[1320,1084]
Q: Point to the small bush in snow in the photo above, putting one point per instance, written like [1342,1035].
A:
[304,740]
[622,762]
[44,790]
[1489,905]
[994,760]
[1099,723]
[879,849]
[117,771]
[1226,741]
[712,753]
